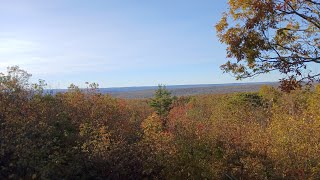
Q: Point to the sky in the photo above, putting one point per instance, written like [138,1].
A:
[116,43]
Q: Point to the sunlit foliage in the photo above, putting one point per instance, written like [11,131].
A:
[83,134]
[272,35]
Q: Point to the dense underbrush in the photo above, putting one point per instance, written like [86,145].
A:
[82,134]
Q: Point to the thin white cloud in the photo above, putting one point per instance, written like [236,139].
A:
[10,46]
[16,52]
[41,59]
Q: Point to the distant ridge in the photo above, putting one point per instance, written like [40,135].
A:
[138,88]
[177,90]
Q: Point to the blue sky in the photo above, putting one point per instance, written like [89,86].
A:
[115,42]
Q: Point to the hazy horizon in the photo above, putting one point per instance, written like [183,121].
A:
[83,85]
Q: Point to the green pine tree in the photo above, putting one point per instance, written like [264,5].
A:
[162,102]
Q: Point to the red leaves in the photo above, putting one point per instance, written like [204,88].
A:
[288,85]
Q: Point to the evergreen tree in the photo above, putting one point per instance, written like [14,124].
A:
[162,102]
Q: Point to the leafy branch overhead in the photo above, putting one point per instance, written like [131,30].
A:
[272,35]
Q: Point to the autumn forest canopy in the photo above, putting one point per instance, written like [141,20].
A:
[273,133]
